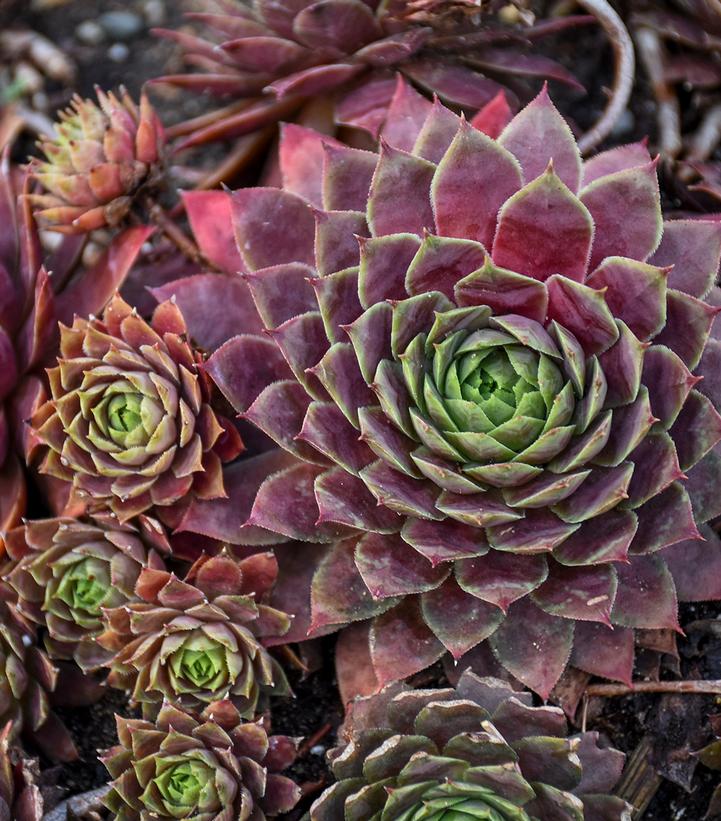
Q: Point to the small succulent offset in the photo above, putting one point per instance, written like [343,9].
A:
[479,751]
[208,767]
[67,571]
[197,641]
[129,422]
[102,156]
[20,797]
[483,361]
[278,56]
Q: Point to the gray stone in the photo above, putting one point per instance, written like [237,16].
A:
[90,33]
[121,25]
[118,52]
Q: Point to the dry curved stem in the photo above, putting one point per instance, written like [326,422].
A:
[710,687]
[624,72]
[708,135]
[650,50]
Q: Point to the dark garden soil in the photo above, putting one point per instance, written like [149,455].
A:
[112,50]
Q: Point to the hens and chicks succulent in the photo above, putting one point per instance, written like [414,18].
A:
[468,366]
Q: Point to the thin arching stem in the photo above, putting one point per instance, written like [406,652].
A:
[624,72]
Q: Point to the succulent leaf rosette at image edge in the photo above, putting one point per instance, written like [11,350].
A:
[484,361]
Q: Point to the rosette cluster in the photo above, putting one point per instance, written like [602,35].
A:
[196,641]
[208,767]
[65,572]
[103,154]
[129,422]
[479,751]
[484,357]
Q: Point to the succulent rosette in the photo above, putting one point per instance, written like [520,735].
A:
[486,375]
[103,154]
[67,571]
[479,751]
[274,57]
[32,303]
[208,767]
[27,681]
[20,798]
[200,640]
[129,422]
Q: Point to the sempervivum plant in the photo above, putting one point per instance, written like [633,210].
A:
[20,798]
[208,767]
[27,679]
[129,421]
[273,57]
[31,302]
[483,362]
[477,752]
[67,571]
[200,640]
[102,156]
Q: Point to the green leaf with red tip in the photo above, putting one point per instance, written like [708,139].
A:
[415,315]
[481,510]
[520,137]
[626,211]
[622,364]
[385,440]
[533,646]
[544,491]
[543,229]
[471,211]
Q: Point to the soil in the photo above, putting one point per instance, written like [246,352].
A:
[316,708]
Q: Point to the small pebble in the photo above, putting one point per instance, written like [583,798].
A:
[90,33]
[118,52]
[319,749]
[154,11]
[121,25]
[625,124]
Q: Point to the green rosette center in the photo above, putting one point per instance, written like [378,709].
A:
[182,785]
[201,663]
[85,586]
[462,802]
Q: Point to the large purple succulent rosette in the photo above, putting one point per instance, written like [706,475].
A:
[482,362]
